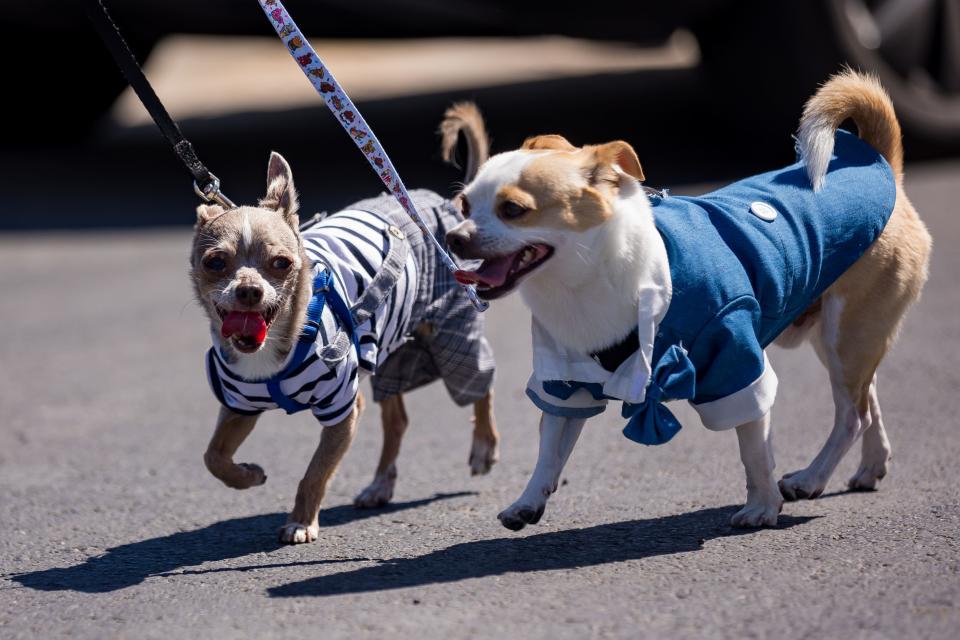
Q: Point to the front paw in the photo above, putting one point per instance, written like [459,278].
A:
[296,533]
[248,475]
[517,516]
[760,514]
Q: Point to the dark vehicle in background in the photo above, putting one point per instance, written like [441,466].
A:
[727,113]
[757,56]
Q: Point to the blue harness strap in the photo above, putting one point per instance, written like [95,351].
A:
[323,291]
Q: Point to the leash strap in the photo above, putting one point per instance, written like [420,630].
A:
[205,183]
[323,292]
[353,123]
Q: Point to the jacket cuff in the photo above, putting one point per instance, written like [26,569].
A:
[579,405]
[743,406]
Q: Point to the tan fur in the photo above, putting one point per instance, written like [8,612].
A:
[855,95]
[273,237]
[248,239]
[485,451]
[858,317]
[559,192]
[464,117]
[619,153]
[548,141]
[302,525]
[877,290]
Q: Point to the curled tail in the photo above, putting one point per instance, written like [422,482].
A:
[465,117]
[849,94]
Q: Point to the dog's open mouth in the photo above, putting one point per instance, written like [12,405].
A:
[498,276]
[246,330]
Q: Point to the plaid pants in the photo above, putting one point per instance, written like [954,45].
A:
[445,335]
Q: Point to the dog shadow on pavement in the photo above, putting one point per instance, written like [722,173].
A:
[568,549]
[130,564]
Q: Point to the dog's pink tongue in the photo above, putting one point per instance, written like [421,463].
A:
[492,273]
[247,324]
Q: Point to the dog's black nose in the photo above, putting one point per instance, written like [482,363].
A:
[249,294]
[459,240]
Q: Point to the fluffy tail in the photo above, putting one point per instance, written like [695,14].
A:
[465,117]
[849,94]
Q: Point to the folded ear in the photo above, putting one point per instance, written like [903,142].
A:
[281,194]
[207,212]
[550,141]
[621,154]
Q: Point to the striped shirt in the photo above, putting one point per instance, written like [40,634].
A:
[352,245]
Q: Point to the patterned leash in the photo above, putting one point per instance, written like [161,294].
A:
[353,123]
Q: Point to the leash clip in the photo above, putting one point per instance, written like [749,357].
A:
[211,193]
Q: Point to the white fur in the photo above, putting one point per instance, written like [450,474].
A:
[599,272]
[246,232]
[816,140]
[497,237]
[875,451]
[261,364]
[848,423]
[296,533]
[558,436]
[264,363]
[763,496]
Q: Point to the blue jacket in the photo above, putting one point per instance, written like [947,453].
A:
[745,262]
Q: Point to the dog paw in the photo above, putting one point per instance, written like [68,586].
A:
[296,533]
[867,477]
[801,485]
[483,455]
[516,516]
[377,494]
[758,514]
[248,475]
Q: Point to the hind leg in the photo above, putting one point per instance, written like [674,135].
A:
[851,358]
[485,449]
[393,415]
[875,452]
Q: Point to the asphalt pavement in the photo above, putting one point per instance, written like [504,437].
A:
[112,528]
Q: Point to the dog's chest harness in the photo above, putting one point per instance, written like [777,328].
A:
[745,262]
[324,291]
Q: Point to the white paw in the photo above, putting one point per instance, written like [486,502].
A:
[758,513]
[483,455]
[868,476]
[296,533]
[801,485]
[377,494]
[518,515]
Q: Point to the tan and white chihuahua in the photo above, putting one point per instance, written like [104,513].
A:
[253,272]
[572,229]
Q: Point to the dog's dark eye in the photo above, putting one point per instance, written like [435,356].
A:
[511,210]
[464,206]
[281,263]
[215,263]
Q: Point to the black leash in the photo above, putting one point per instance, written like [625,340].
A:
[205,183]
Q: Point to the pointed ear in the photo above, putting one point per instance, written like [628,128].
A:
[207,212]
[550,141]
[281,194]
[621,154]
